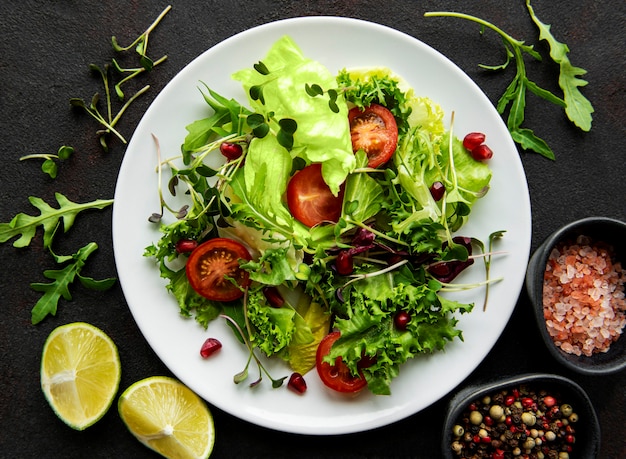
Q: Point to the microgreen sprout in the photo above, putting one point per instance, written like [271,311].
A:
[243,375]
[107,120]
[49,165]
[141,43]
[487,258]
[315,90]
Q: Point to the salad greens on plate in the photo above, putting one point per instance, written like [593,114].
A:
[291,228]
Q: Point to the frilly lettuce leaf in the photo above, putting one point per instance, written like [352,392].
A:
[367,327]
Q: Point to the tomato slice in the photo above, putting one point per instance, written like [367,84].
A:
[375,131]
[338,376]
[211,265]
[309,198]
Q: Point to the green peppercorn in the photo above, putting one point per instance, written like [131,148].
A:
[573,417]
[529,419]
[475,418]
[458,431]
[529,443]
[566,410]
[496,412]
[550,436]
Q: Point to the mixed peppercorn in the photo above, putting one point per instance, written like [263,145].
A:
[515,423]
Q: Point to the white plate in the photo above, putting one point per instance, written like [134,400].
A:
[337,43]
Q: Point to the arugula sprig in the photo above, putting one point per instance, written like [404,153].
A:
[62,279]
[25,226]
[577,108]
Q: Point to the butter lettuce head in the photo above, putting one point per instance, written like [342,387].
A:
[322,135]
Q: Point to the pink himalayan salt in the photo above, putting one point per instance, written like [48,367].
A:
[583,298]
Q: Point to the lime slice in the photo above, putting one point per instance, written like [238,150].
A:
[168,417]
[80,373]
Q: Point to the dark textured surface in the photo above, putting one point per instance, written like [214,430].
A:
[45,48]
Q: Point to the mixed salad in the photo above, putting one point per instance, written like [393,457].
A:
[321,220]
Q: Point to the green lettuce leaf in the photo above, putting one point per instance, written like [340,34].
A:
[322,135]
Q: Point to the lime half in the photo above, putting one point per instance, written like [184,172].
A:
[80,373]
[168,417]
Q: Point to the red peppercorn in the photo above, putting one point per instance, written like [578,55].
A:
[488,421]
[515,393]
[549,401]
[486,439]
[527,402]
[498,454]
[297,383]
[508,421]
[570,438]
[209,347]
[509,400]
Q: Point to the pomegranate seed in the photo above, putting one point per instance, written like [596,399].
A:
[344,263]
[401,320]
[273,297]
[297,383]
[186,245]
[232,151]
[473,139]
[437,190]
[210,346]
[482,153]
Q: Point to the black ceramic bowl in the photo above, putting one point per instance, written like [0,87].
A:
[599,229]
[587,428]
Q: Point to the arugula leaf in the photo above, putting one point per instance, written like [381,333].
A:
[577,106]
[62,279]
[25,226]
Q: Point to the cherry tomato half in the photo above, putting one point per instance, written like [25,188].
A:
[375,131]
[338,376]
[209,265]
[309,198]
